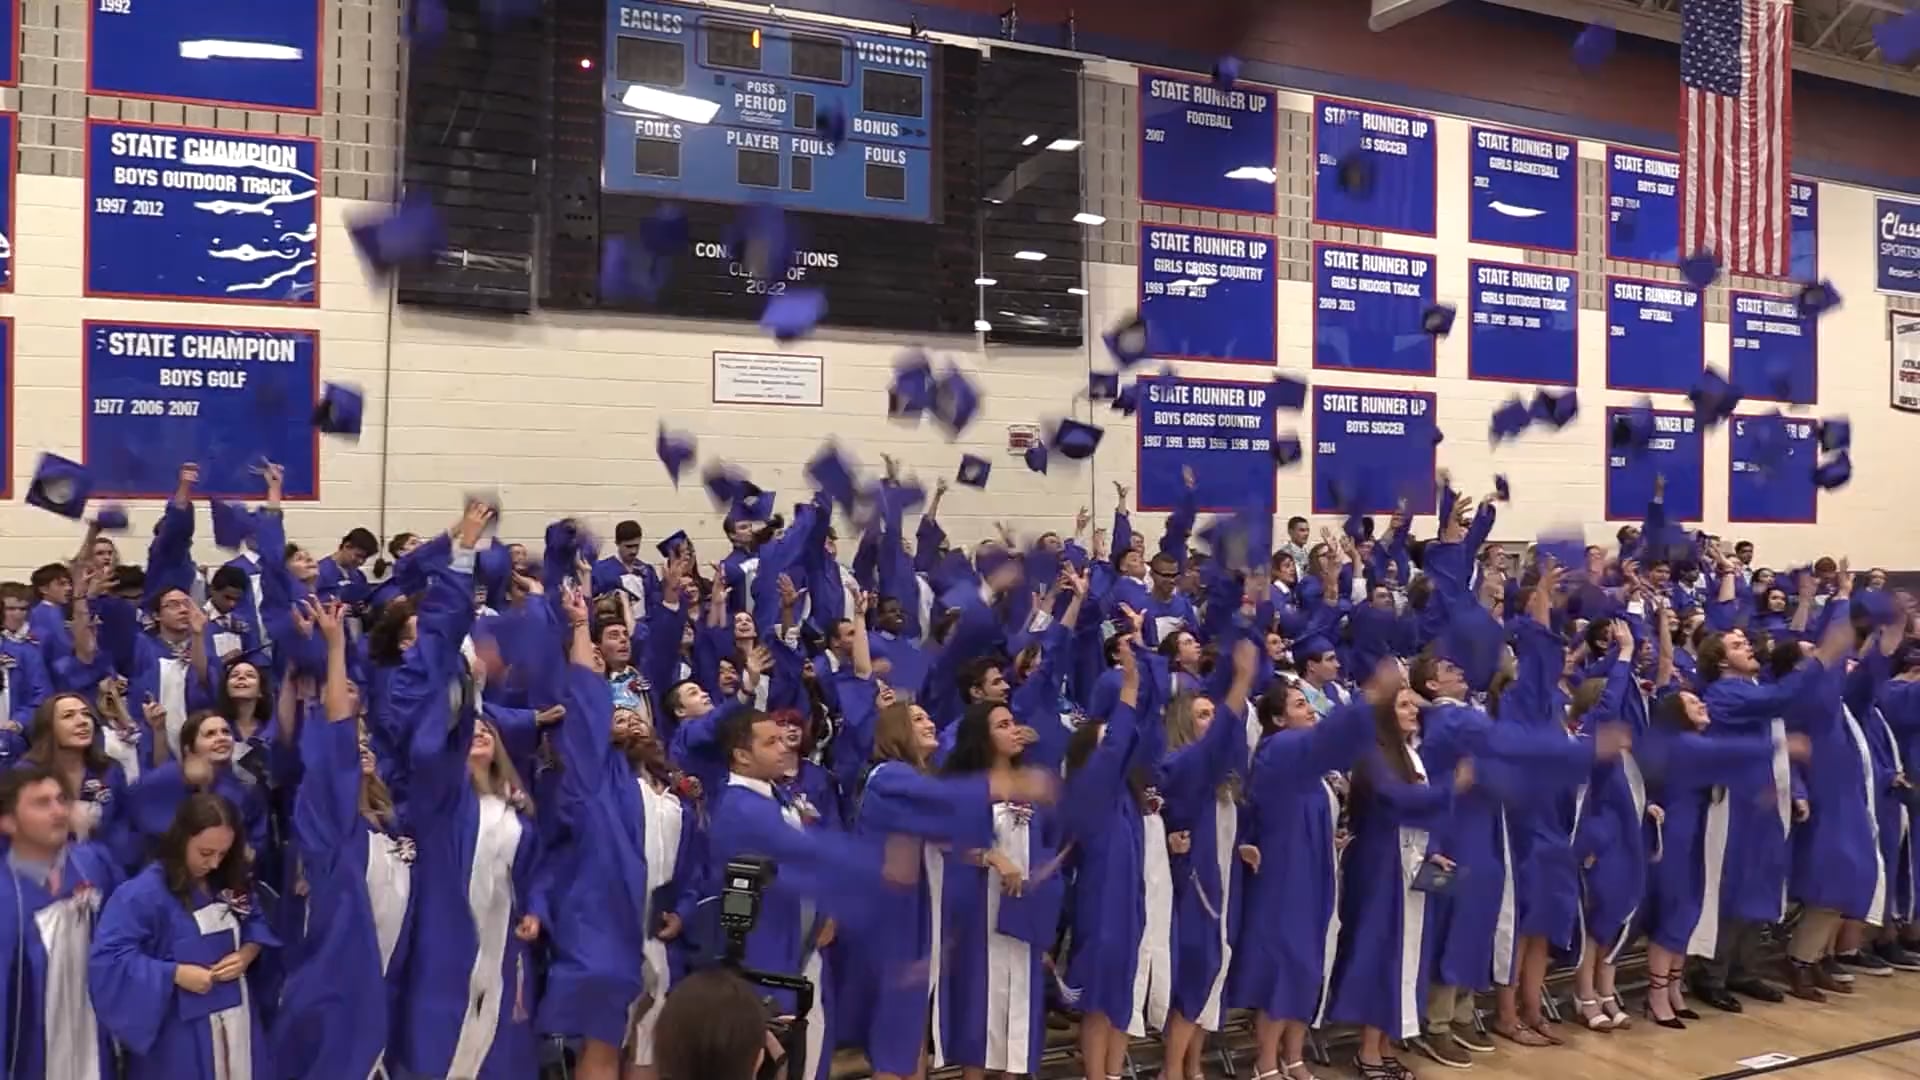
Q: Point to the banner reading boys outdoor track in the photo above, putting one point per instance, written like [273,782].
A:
[177,213]
[1223,431]
[1372,448]
[1206,147]
[1524,324]
[157,395]
[1779,490]
[1775,353]
[1675,452]
[1396,151]
[264,53]
[1643,206]
[1655,336]
[1526,189]
[1367,309]
[1896,246]
[1208,295]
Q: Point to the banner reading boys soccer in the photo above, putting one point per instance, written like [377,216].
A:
[1205,147]
[1223,431]
[1372,448]
[1675,453]
[1524,324]
[1526,189]
[1208,295]
[1770,471]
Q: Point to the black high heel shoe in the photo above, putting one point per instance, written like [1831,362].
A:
[1657,985]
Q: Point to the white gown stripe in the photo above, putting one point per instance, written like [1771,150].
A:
[490,898]
[230,1030]
[73,1031]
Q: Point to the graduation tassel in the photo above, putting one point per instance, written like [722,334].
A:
[520,989]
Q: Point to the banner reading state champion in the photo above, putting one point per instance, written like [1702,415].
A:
[1223,431]
[178,213]
[1206,147]
[1208,295]
[225,398]
[1372,448]
[1674,453]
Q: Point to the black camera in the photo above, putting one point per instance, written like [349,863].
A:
[746,881]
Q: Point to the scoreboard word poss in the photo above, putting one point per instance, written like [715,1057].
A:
[720,107]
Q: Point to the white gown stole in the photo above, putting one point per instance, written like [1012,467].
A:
[1153,971]
[72,1031]
[1877,910]
[490,899]
[665,818]
[1413,916]
[229,1030]
[1009,989]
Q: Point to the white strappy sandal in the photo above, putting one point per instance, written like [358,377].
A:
[1600,1021]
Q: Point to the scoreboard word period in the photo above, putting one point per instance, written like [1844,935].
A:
[719,108]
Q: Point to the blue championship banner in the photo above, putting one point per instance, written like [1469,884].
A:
[1803,203]
[9,145]
[222,397]
[1207,148]
[1526,189]
[1643,206]
[185,214]
[1367,309]
[1896,246]
[1372,448]
[1208,295]
[1223,431]
[1401,193]
[1656,336]
[6,407]
[1675,452]
[246,53]
[1778,490]
[1775,353]
[1524,324]
[10,50]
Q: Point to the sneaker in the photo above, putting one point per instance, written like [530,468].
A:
[1896,957]
[1836,972]
[1866,962]
[1467,1037]
[1442,1049]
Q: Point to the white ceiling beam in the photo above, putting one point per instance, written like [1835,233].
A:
[1388,14]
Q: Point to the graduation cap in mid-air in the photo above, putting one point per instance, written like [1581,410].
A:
[1713,397]
[1288,392]
[1510,420]
[1354,174]
[1128,341]
[830,473]
[1127,402]
[1632,429]
[1287,450]
[1076,441]
[793,314]
[339,410]
[1899,38]
[1816,299]
[410,234]
[1701,269]
[725,484]
[831,122]
[974,471]
[1036,457]
[912,390]
[1834,473]
[1502,491]
[1437,320]
[955,401]
[1226,72]
[1556,410]
[761,241]
[637,265]
[1836,434]
[61,486]
[1103,385]
[675,452]
[232,523]
[1594,45]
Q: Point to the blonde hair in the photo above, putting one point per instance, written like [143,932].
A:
[376,801]
[501,779]
[1183,732]
[894,738]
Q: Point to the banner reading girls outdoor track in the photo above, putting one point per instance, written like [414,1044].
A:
[1656,336]
[1223,431]
[1372,448]
[1205,147]
[1778,491]
[1643,206]
[1675,452]
[1208,295]
[1524,324]
[1525,189]
[1367,309]
[1396,149]
[222,397]
[1773,349]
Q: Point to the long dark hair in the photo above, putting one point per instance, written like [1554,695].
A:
[384,641]
[1080,747]
[41,740]
[1395,757]
[226,706]
[972,751]
[196,815]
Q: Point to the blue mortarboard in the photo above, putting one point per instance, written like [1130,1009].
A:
[1632,428]
[1287,392]
[1313,646]
[427,20]
[1103,385]
[1668,542]
[831,122]
[723,483]
[61,486]
[1128,341]
[793,314]
[1836,434]
[1076,441]
[1354,174]
[1286,450]
[1226,72]
[1510,420]
[1834,473]
[1816,299]
[111,517]
[955,401]
[1713,397]
[752,504]
[1899,38]
[1502,490]
[1127,402]
[1594,45]
[1568,549]
[232,523]
[1036,457]
[1701,269]
[675,451]
[1557,410]
[636,267]
[671,544]
[411,234]
[1878,605]
[339,410]
[492,569]
[1437,320]
[912,390]
[974,471]
[830,473]
[761,241]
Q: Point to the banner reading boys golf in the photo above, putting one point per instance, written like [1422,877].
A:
[1367,309]
[1526,189]
[1803,204]
[1775,352]
[1205,147]
[1373,167]
[177,213]
[1524,324]
[1655,336]
[225,398]
[1208,295]
[1643,206]
[1372,448]
[1675,453]
[1223,431]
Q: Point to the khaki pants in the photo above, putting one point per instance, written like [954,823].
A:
[1813,936]
[1446,1006]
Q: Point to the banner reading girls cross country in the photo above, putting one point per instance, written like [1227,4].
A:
[1208,295]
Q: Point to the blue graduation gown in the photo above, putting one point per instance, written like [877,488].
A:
[1189,780]
[1695,778]
[27,685]
[44,1030]
[1836,863]
[1107,906]
[1753,880]
[1613,829]
[151,803]
[130,976]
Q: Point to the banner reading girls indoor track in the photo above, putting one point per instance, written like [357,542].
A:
[1643,206]
[1655,336]
[1803,203]
[1524,324]
[1372,448]
[1205,147]
[222,397]
[1367,310]
[263,53]
[1208,295]
[1896,245]
[1779,490]
[1525,189]
[1775,351]
[177,213]
[1674,452]
[1223,431]
[1401,194]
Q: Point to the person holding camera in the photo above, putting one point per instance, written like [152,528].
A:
[712,1027]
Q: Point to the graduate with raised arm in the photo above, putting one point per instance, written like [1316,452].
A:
[47,1021]
[287,578]
[169,665]
[339,1002]
[170,554]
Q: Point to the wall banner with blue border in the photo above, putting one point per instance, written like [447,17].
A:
[6,408]
[1367,309]
[9,215]
[1208,295]
[1525,189]
[1524,324]
[1803,205]
[1372,448]
[1896,246]
[1402,195]
[1643,206]
[10,47]
[1675,452]
[1775,353]
[1656,336]
[1776,492]
[245,53]
[1205,147]
[1223,431]
[178,213]
[157,395]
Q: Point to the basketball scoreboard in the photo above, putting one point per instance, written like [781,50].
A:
[716,107]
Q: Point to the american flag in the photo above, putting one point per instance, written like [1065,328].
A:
[1736,132]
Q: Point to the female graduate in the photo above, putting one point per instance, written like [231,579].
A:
[338,1003]
[168,972]
[206,744]
[62,741]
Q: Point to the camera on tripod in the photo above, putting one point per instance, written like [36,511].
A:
[745,883]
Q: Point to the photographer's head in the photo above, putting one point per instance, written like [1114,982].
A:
[712,1027]
[756,746]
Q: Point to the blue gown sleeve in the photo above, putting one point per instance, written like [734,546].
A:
[951,810]
[170,554]
[132,992]
[1738,702]
[1300,755]
[1091,790]
[328,798]
[1194,769]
